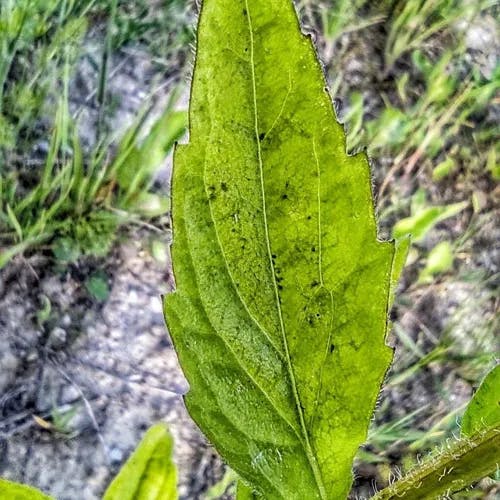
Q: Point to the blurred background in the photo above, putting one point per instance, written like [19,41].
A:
[93,96]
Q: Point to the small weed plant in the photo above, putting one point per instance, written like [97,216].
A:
[69,198]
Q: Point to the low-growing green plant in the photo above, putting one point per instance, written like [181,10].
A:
[279,318]
[423,217]
[68,198]
[79,202]
[38,38]
[163,28]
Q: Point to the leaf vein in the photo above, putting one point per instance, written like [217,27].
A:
[226,343]
[307,445]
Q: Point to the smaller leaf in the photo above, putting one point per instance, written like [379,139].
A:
[16,491]
[483,410]
[402,249]
[418,201]
[225,485]
[443,169]
[15,223]
[159,251]
[43,314]
[151,204]
[97,286]
[66,250]
[139,162]
[419,224]
[492,164]
[149,474]
[440,260]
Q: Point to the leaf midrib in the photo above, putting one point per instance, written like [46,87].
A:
[307,445]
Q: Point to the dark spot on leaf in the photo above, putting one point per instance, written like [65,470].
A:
[261,136]
[244,12]
[284,196]
[354,345]
[273,256]
[223,186]
[313,249]
[309,217]
[280,287]
[332,348]
[318,315]
[314,283]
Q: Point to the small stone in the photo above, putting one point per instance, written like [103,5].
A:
[8,366]
[57,338]
[66,320]
[69,394]
[32,356]
[115,455]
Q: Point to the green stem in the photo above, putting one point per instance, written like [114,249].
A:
[103,75]
[458,466]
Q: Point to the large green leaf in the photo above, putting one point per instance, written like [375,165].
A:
[279,318]
[149,474]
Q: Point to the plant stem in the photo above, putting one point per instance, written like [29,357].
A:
[456,467]
[103,75]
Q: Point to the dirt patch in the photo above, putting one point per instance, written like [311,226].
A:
[110,367]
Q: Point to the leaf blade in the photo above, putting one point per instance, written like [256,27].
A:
[263,267]
[149,473]
[483,410]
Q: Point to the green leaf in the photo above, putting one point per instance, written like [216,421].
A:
[97,286]
[222,487]
[443,169]
[402,248]
[421,222]
[138,163]
[439,260]
[483,410]
[280,313]
[66,249]
[151,204]
[15,223]
[16,491]
[149,474]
